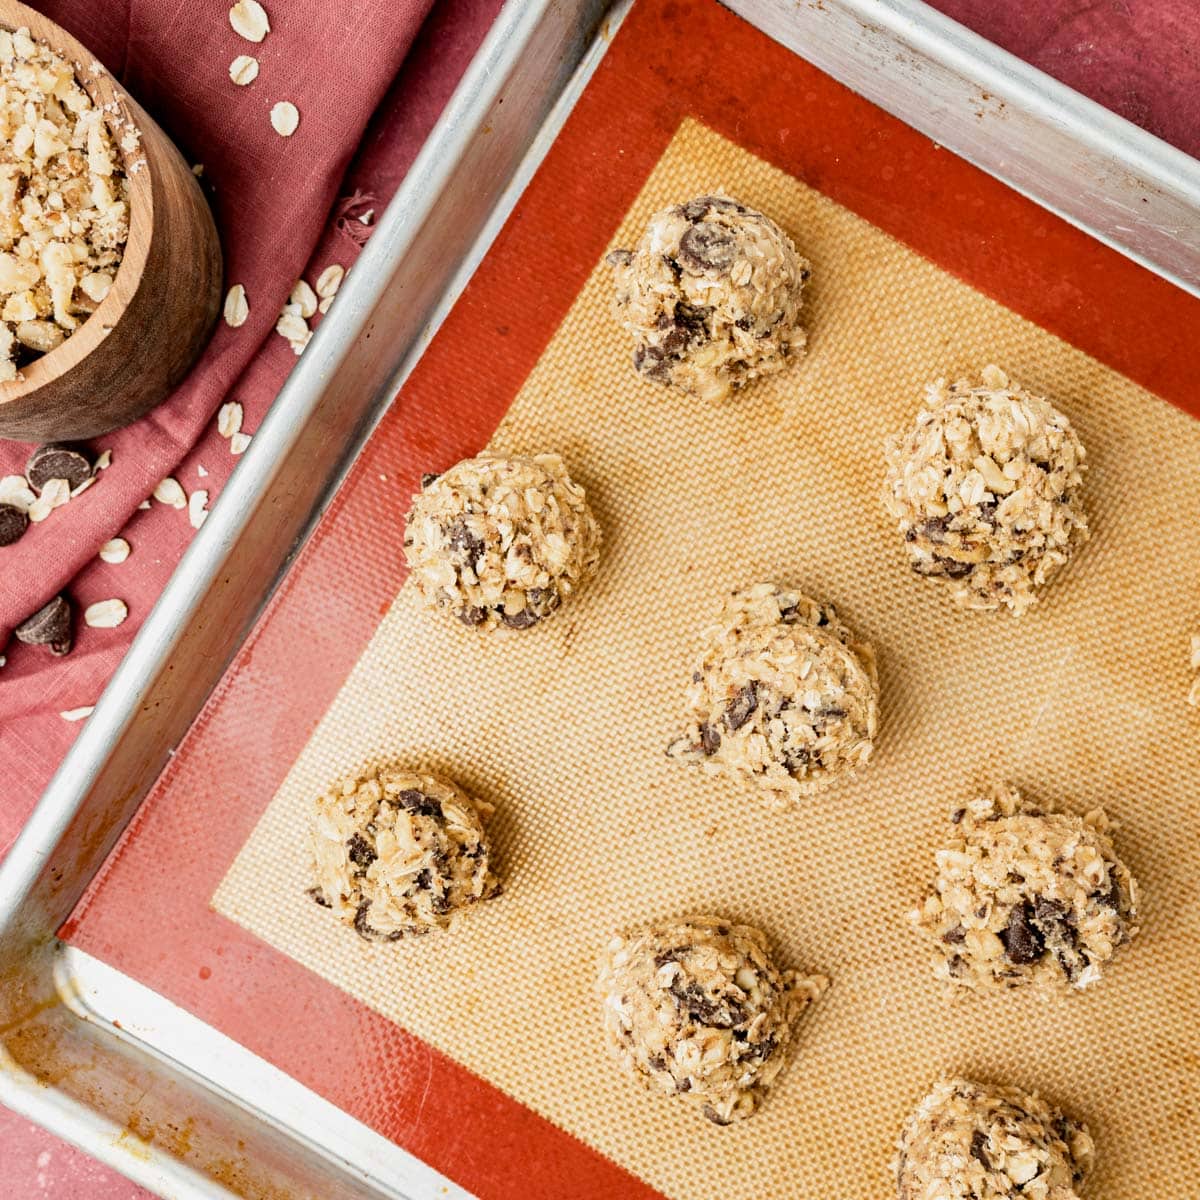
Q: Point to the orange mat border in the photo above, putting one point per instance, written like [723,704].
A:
[148,912]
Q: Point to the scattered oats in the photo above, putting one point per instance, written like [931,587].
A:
[367,217]
[237,307]
[105,614]
[83,487]
[330,280]
[325,305]
[54,494]
[285,117]
[170,492]
[249,20]
[243,69]
[3,661]
[238,443]
[198,507]
[201,471]
[197,169]
[115,550]
[291,326]
[229,419]
[1194,693]
[305,298]
[104,461]
[299,345]
[144,504]
[78,714]
[15,490]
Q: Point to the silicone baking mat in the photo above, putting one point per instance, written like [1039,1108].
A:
[501,1080]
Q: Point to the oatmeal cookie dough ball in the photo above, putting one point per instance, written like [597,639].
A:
[696,1008]
[397,854]
[967,1141]
[783,695]
[987,491]
[1027,896]
[501,541]
[711,295]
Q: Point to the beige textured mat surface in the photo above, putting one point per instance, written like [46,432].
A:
[1081,702]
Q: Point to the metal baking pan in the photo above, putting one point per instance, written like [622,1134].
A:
[98,1057]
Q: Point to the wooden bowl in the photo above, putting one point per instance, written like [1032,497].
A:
[146,333]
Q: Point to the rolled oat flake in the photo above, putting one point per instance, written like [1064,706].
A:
[13,523]
[49,626]
[57,461]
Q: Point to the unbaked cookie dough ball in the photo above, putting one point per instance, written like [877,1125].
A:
[397,854]
[501,541]
[987,491]
[971,1142]
[696,1008]
[1023,895]
[783,695]
[711,295]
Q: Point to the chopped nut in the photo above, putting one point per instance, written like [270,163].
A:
[229,419]
[115,550]
[249,20]
[105,614]
[198,507]
[243,69]
[285,118]
[170,492]
[63,200]
[237,307]
[330,280]
[104,460]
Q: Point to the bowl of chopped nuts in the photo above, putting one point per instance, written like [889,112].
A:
[110,266]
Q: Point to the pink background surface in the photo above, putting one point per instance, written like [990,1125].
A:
[1140,58]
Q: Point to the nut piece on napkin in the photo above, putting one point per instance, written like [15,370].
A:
[49,626]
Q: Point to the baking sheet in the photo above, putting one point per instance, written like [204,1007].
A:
[1081,703]
[149,914]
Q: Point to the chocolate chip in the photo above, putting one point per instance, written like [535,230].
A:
[13,523]
[318,897]
[521,620]
[693,320]
[428,478]
[708,247]
[953,569]
[656,1062]
[472,615]
[710,739]
[696,209]
[362,853]
[543,601]
[715,1117]
[741,708]
[368,932]
[1023,943]
[955,936]
[619,258]
[57,461]
[417,802]
[651,362]
[957,815]
[934,529]
[49,626]
[469,545]
[979,1148]
[798,760]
